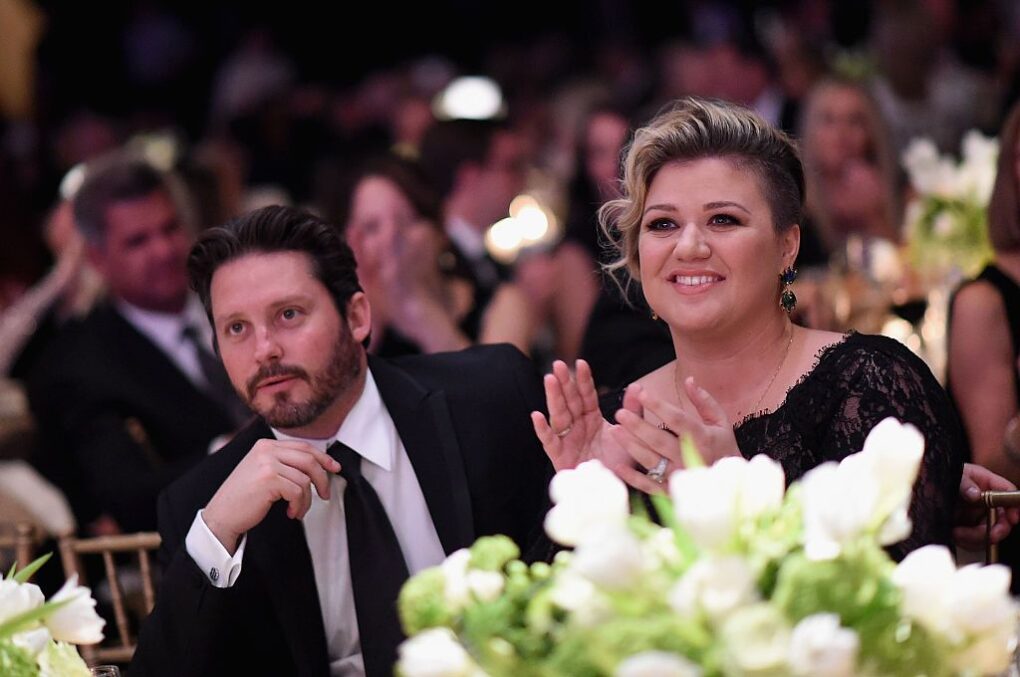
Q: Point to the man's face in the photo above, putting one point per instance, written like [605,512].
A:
[144,251]
[290,355]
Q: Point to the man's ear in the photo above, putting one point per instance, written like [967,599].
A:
[359,316]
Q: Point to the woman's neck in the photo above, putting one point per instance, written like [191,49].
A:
[735,368]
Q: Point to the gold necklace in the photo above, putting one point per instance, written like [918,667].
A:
[757,405]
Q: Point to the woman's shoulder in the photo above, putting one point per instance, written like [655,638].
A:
[873,358]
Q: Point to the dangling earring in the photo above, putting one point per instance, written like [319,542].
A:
[787,299]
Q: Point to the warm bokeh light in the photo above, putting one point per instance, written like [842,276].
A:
[469,98]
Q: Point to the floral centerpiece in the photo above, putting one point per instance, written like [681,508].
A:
[946,221]
[744,577]
[37,636]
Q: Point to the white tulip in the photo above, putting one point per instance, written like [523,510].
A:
[715,586]
[578,595]
[485,585]
[657,664]
[869,491]
[17,598]
[32,641]
[588,499]
[711,502]
[455,588]
[924,577]
[435,653]
[76,621]
[819,647]
[970,608]
[757,640]
[614,560]
[986,615]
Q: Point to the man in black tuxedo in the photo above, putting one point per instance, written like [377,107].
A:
[283,553]
[132,396]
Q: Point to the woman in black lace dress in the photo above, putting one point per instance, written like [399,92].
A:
[708,228]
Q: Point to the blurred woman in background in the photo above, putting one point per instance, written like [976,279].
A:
[422,300]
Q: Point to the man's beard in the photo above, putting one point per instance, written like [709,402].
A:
[339,375]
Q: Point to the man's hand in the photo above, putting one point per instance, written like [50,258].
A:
[271,471]
[971,513]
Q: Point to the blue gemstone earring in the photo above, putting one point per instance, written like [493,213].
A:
[787,299]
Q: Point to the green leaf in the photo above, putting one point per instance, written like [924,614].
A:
[26,573]
[26,620]
[689,452]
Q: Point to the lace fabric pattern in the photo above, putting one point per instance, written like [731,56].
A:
[826,416]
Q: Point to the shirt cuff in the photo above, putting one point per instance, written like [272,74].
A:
[211,557]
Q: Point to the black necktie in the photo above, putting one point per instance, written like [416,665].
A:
[377,565]
[218,385]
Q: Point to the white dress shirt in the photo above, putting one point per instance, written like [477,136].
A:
[369,430]
[166,331]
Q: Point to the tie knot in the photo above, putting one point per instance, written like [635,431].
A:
[350,460]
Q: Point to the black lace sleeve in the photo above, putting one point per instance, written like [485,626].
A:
[854,386]
[882,379]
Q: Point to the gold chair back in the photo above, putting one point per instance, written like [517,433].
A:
[18,542]
[107,547]
[993,500]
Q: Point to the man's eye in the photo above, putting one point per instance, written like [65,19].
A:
[289,313]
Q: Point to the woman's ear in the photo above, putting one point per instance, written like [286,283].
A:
[789,241]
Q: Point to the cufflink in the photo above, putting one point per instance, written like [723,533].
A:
[214,574]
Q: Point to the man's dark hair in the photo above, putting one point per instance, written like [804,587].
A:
[276,229]
[449,144]
[116,178]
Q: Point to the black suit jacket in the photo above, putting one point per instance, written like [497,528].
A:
[118,421]
[463,419]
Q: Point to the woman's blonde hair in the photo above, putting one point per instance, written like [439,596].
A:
[1004,206]
[693,129]
[878,153]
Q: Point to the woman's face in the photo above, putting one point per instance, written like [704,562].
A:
[381,216]
[837,128]
[709,254]
[604,138]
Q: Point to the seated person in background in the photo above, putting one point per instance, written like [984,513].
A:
[274,564]
[984,337]
[708,225]
[132,396]
[423,300]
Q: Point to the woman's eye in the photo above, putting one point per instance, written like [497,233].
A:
[724,220]
[289,313]
[660,225]
[235,328]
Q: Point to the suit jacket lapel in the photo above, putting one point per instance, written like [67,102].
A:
[278,550]
[423,422]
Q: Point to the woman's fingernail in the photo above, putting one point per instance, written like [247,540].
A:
[973,493]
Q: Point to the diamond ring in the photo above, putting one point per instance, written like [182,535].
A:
[658,473]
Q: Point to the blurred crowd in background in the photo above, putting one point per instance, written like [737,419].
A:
[243,107]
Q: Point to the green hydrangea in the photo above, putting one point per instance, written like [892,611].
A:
[16,662]
[422,602]
[491,553]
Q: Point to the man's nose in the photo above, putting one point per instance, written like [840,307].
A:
[266,346]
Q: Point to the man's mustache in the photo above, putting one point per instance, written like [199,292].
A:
[272,370]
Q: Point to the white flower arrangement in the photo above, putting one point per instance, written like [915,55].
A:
[745,577]
[37,636]
[946,221]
